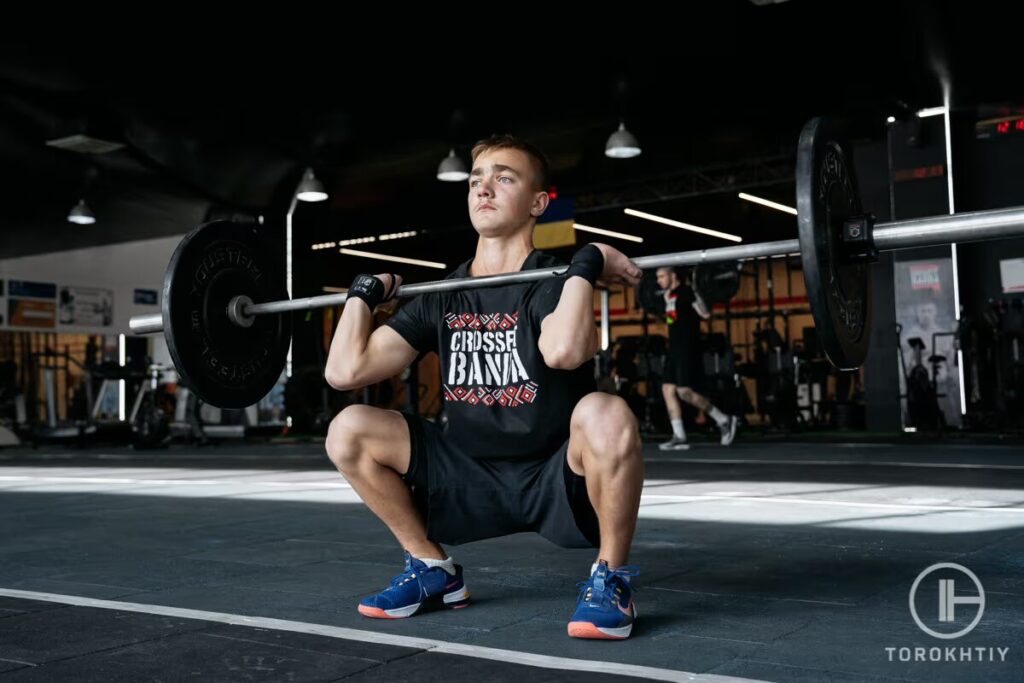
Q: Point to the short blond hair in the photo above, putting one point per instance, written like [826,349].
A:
[541,167]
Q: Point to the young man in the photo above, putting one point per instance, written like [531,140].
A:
[529,445]
[683,313]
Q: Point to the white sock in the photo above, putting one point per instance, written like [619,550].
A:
[718,416]
[447,565]
[677,429]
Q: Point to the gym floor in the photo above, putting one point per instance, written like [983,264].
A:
[769,561]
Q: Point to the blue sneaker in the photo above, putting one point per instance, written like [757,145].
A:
[605,607]
[417,586]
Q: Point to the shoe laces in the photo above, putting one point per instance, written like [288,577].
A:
[606,591]
[408,575]
[402,578]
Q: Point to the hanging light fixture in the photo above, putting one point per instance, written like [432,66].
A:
[310,189]
[81,214]
[452,169]
[622,144]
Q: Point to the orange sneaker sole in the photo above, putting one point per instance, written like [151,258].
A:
[584,629]
[376,613]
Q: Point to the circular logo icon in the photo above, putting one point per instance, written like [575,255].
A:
[948,600]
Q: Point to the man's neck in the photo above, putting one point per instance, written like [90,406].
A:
[496,255]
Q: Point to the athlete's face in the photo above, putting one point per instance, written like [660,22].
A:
[503,193]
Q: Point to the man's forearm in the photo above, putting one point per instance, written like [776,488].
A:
[349,344]
[568,336]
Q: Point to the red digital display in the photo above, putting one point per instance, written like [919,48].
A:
[1009,126]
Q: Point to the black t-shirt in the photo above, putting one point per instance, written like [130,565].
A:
[683,321]
[501,399]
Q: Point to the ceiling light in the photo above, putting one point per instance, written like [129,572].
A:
[452,169]
[684,226]
[85,144]
[622,144]
[609,233]
[931,111]
[81,214]
[310,189]
[397,235]
[768,203]
[397,259]
[356,240]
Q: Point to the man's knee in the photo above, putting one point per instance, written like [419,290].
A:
[607,425]
[687,394]
[345,436]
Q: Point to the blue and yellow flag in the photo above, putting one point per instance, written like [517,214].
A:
[554,228]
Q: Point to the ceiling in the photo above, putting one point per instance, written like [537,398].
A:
[228,124]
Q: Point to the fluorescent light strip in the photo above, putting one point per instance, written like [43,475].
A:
[121,359]
[398,259]
[397,235]
[931,111]
[955,259]
[356,240]
[364,240]
[765,202]
[684,226]
[288,257]
[609,233]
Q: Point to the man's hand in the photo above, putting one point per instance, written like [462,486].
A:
[391,284]
[374,290]
[700,306]
[618,269]
[361,355]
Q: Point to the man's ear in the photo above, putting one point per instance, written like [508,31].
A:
[540,204]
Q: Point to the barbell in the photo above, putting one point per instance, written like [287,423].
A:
[224,296]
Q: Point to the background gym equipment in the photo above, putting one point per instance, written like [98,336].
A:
[993,347]
[716,282]
[649,296]
[223,292]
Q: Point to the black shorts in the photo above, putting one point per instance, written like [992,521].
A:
[684,369]
[466,499]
